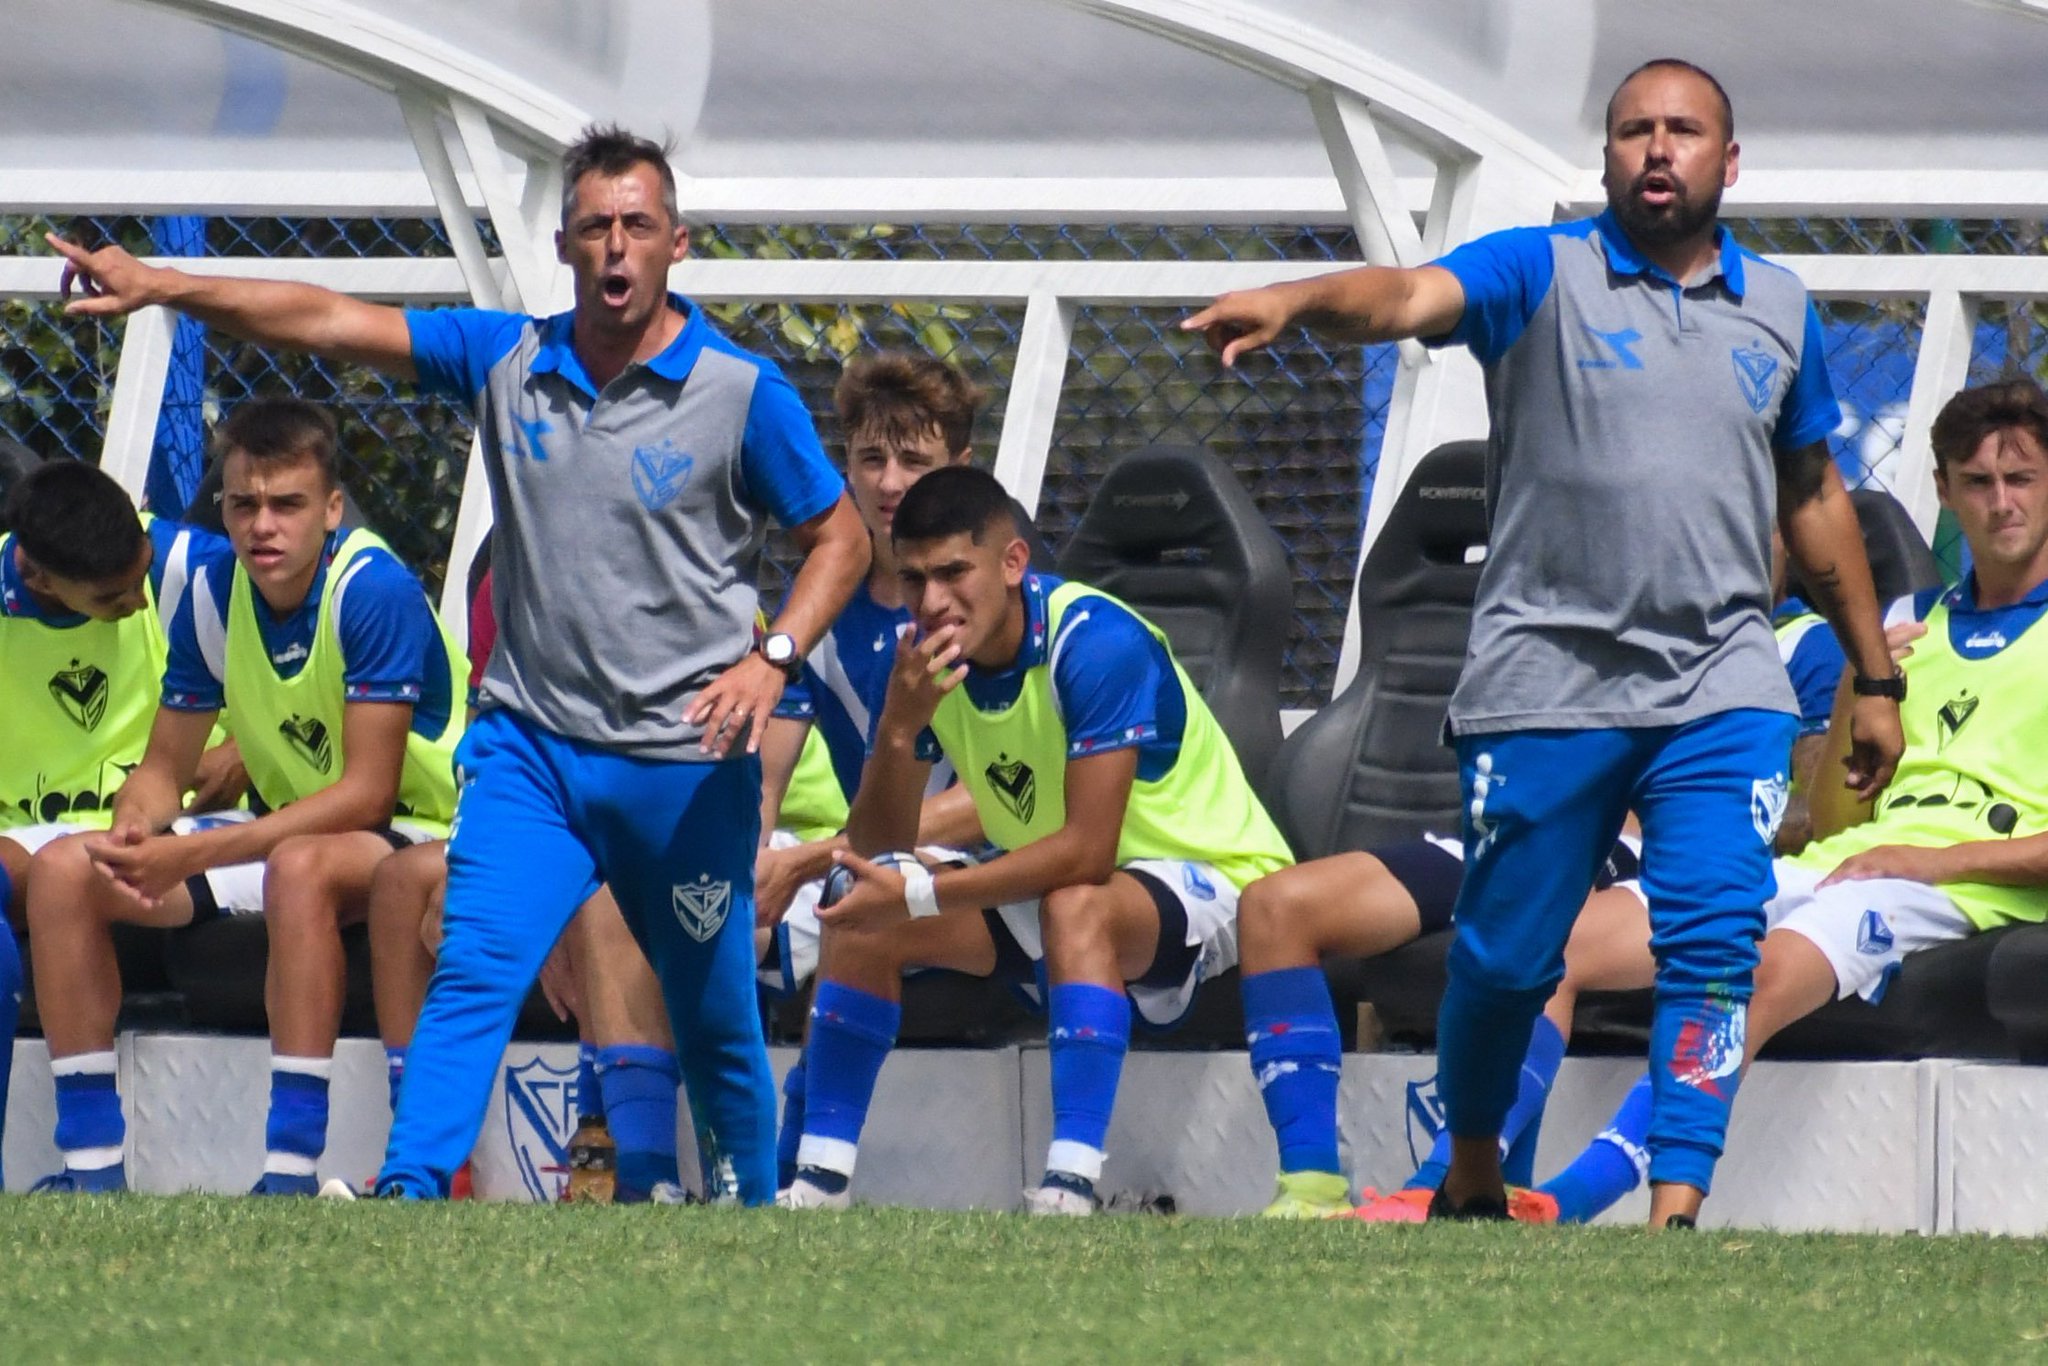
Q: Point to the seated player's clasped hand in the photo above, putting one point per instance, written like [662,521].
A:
[738,702]
[141,865]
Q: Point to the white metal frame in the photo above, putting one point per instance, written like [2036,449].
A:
[508,134]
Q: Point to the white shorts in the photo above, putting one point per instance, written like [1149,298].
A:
[1863,928]
[237,888]
[794,940]
[32,838]
[1210,902]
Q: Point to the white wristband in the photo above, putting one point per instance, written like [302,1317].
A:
[918,892]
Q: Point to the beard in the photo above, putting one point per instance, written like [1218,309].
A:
[1663,226]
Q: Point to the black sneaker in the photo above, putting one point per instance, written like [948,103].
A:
[1681,1221]
[1478,1208]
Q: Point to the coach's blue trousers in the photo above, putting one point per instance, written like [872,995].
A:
[541,822]
[1542,809]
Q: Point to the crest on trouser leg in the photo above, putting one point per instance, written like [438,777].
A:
[540,1114]
[701,906]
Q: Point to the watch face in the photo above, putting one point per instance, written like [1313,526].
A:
[779,649]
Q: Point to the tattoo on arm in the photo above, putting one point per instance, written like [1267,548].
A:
[1802,473]
[1825,583]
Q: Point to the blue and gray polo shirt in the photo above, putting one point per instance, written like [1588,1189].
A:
[629,522]
[1631,482]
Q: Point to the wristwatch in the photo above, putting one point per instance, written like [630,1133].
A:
[779,649]
[1894,687]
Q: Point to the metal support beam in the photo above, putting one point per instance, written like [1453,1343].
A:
[1042,346]
[1372,194]
[528,284]
[423,121]
[472,523]
[1941,368]
[144,362]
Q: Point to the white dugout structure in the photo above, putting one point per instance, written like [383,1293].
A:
[1417,123]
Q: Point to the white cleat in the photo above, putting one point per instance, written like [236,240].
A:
[801,1194]
[670,1193]
[334,1188]
[1058,1201]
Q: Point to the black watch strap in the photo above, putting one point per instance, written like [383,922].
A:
[1893,687]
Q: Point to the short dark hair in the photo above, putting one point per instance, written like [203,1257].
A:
[902,396]
[279,429]
[72,520]
[1973,414]
[607,149]
[1677,64]
[951,501]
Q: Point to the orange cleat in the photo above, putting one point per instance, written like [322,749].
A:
[462,1185]
[1401,1207]
[1527,1206]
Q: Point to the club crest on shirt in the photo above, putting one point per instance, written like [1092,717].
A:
[1756,371]
[1953,716]
[660,473]
[701,906]
[1015,785]
[309,737]
[81,691]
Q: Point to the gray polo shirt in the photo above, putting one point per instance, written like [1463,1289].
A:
[1631,484]
[629,522]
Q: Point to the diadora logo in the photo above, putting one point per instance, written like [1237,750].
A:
[1993,639]
[1612,350]
[1016,786]
[309,737]
[1425,1118]
[660,473]
[540,1115]
[701,906]
[290,654]
[1767,798]
[1953,716]
[1756,372]
[81,691]
[1873,935]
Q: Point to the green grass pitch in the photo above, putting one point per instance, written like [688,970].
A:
[150,1279]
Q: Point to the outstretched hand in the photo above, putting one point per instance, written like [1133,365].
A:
[108,282]
[1241,321]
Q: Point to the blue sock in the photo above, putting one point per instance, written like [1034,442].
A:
[851,1035]
[1297,1057]
[792,1131]
[1539,1069]
[394,1072]
[296,1133]
[10,1001]
[1089,1035]
[1612,1165]
[89,1123]
[589,1095]
[638,1083]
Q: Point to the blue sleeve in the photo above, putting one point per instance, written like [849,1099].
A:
[1106,675]
[453,349]
[1916,608]
[163,538]
[1809,413]
[784,467]
[798,696]
[928,750]
[389,642]
[190,684]
[1816,669]
[1505,276]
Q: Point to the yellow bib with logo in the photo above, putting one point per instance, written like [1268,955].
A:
[289,729]
[1014,764]
[77,702]
[814,806]
[1975,733]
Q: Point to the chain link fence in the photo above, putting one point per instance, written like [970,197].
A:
[1301,424]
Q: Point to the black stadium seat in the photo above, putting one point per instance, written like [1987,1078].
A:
[1370,768]
[1172,532]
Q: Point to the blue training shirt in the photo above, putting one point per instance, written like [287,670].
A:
[1112,680]
[391,647]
